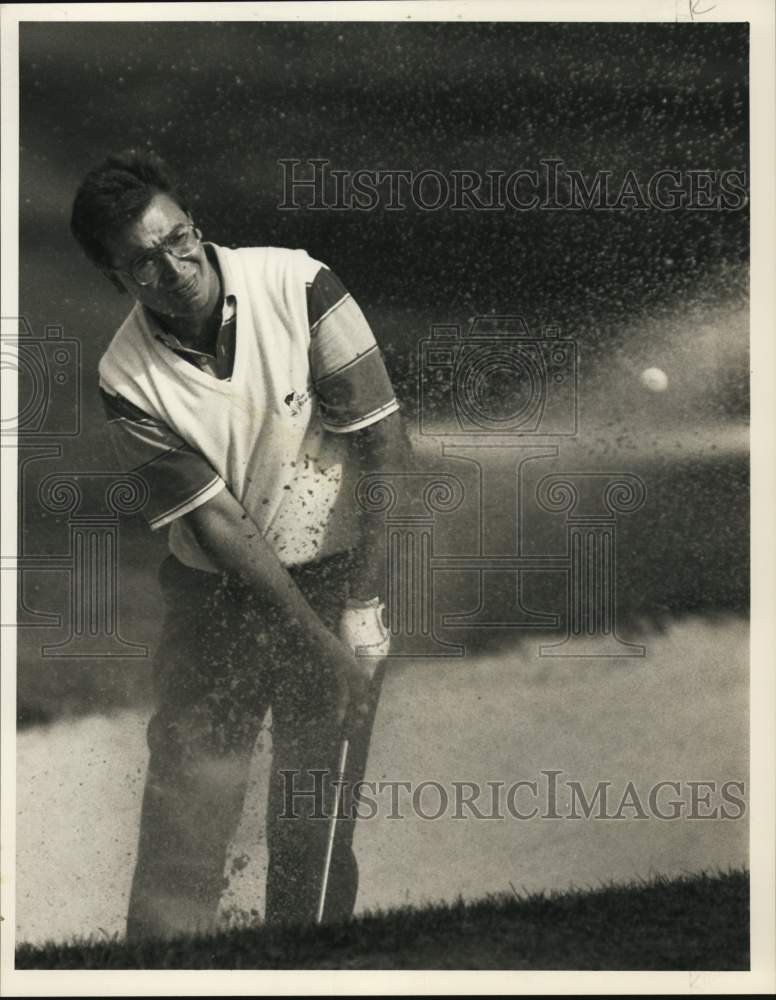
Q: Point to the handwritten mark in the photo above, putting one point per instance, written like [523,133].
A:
[695,11]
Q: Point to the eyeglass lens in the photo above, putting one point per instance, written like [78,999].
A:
[180,243]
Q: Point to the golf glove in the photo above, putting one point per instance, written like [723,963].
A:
[362,629]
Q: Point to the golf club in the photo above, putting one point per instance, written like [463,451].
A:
[342,763]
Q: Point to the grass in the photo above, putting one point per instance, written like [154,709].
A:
[696,922]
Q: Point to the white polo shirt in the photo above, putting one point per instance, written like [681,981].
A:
[273,432]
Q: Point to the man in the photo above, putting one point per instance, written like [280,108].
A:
[246,389]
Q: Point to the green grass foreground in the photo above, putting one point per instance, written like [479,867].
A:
[698,922]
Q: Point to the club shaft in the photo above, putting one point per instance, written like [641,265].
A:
[343,761]
[376,686]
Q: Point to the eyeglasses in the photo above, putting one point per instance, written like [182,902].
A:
[181,243]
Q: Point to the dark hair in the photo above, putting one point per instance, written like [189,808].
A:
[114,194]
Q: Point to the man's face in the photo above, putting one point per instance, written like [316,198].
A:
[184,288]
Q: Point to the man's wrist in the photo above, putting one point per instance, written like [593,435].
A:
[364,583]
[362,602]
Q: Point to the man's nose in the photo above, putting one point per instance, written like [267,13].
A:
[172,268]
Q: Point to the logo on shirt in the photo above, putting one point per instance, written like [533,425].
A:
[295,401]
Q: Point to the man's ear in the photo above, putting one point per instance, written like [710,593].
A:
[114,279]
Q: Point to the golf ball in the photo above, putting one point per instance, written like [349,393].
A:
[654,379]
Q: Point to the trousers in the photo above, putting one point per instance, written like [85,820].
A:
[222,663]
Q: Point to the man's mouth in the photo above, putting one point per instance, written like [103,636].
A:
[186,288]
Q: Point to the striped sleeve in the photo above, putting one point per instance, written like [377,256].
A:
[348,371]
[178,478]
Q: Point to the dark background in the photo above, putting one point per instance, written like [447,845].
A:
[224,102]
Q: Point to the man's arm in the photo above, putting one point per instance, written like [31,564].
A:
[380,447]
[356,399]
[178,478]
[235,545]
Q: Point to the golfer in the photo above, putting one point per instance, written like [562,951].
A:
[246,388]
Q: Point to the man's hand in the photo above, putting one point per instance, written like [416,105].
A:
[362,629]
[363,632]
[353,674]
[235,545]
